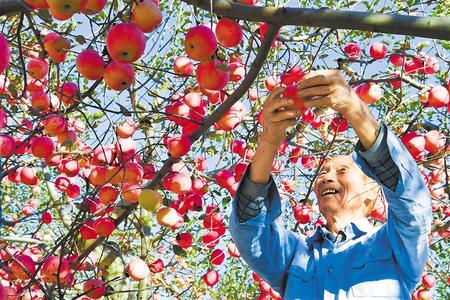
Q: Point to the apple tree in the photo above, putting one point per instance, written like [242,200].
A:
[126,126]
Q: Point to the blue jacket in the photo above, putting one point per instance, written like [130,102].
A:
[385,261]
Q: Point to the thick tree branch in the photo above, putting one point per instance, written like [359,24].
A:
[12,6]
[429,27]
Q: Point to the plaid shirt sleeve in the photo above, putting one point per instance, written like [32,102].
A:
[380,161]
[252,197]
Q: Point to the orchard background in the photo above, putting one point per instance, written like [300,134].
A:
[120,151]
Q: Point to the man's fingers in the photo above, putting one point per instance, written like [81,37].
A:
[287,123]
[276,93]
[321,90]
[280,103]
[317,102]
[321,77]
[284,115]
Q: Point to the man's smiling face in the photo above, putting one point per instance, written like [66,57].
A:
[341,187]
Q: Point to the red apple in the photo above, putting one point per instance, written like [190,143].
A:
[292,76]
[211,277]
[212,75]
[438,96]
[217,257]
[6,54]
[46,217]
[369,92]
[200,43]
[90,64]
[146,15]
[397,59]
[428,280]
[104,226]
[414,142]
[179,183]
[68,93]
[40,101]
[138,269]
[352,51]
[125,42]
[7,145]
[378,50]
[229,33]
[42,147]
[183,66]
[19,271]
[54,268]
[39,4]
[178,145]
[92,7]
[184,240]
[434,141]
[38,68]
[94,288]
[119,76]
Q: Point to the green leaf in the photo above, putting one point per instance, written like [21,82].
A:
[124,110]
[178,251]
[80,39]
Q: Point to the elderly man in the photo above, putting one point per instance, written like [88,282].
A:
[348,258]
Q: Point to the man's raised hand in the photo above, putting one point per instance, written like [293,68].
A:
[328,88]
[277,117]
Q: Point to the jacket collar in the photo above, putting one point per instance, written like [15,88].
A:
[353,230]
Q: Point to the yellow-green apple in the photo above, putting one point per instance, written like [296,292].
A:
[167,216]
[146,15]
[183,66]
[200,43]
[150,200]
[37,68]
[6,54]
[90,64]
[138,269]
[438,96]
[119,76]
[125,42]
[229,32]
[92,7]
[212,75]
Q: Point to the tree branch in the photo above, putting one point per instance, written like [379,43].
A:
[12,6]
[429,27]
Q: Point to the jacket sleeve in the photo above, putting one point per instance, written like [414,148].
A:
[265,245]
[409,203]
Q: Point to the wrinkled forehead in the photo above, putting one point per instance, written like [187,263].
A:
[339,161]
